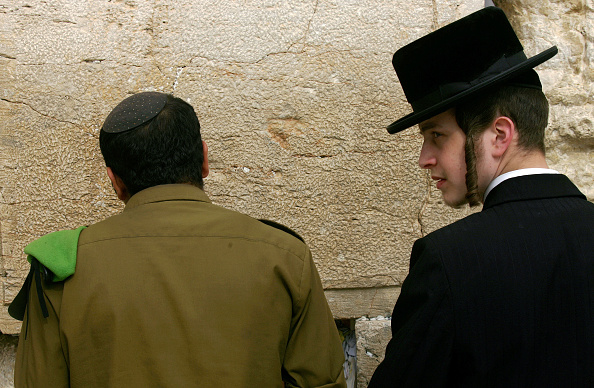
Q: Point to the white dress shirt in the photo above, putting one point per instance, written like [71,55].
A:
[516,173]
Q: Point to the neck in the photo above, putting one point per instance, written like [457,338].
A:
[521,160]
[513,159]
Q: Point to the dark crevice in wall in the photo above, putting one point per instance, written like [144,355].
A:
[40,113]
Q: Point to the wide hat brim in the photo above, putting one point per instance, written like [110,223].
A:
[450,102]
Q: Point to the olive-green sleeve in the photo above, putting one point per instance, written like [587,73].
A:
[40,359]
[314,356]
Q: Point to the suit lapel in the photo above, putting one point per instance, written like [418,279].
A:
[528,187]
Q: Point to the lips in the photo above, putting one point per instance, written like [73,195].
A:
[440,181]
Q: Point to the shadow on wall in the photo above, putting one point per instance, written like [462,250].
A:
[8,345]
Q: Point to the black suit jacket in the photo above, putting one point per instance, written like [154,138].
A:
[501,298]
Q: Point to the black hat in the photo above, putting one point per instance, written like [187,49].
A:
[444,68]
[134,111]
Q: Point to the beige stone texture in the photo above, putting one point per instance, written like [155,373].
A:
[293,99]
[8,345]
[372,336]
[568,78]
[362,302]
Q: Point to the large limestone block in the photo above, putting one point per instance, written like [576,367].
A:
[293,98]
[362,302]
[373,334]
[8,346]
[568,79]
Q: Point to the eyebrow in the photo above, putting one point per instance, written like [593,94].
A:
[424,127]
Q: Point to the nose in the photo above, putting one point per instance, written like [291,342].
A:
[427,157]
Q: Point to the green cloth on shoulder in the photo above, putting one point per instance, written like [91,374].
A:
[57,252]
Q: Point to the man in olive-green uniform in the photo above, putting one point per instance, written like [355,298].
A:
[174,291]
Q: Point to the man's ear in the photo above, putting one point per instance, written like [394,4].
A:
[205,167]
[118,185]
[503,133]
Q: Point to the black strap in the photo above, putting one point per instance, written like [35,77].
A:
[19,303]
[37,269]
[20,306]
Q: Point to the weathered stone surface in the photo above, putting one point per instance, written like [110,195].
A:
[293,99]
[8,324]
[372,336]
[568,79]
[362,302]
[8,346]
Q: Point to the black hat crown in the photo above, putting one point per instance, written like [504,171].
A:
[460,60]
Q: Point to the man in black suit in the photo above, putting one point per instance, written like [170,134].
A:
[503,297]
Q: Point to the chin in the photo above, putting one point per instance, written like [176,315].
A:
[455,203]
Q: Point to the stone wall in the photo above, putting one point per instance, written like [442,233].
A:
[293,99]
[568,78]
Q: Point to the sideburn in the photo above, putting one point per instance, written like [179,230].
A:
[472,193]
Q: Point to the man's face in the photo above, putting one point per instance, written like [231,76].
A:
[443,154]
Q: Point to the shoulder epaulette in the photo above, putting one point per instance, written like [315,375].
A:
[281,227]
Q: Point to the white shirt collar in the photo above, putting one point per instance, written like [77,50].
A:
[517,173]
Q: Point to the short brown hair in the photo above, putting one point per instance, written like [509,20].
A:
[527,107]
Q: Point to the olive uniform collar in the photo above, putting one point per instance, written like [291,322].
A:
[172,192]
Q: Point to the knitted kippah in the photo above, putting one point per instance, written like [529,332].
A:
[134,111]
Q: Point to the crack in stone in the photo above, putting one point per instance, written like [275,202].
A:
[3,265]
[434,22]
[303,39]
[309,155]
[31,201]
[373,299]
[177,75]
[63,21]
[395,280]
[309,22]
[380,211]
[369,353]
[41,113]
[84,61]
[150,29]
[93,60]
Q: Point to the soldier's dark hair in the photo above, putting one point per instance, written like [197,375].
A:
[167,149]
[528,108]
